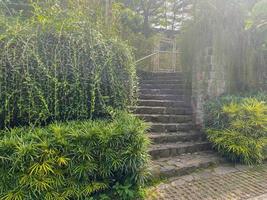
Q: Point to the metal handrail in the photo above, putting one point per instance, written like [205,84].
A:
[169,52]
[148,56]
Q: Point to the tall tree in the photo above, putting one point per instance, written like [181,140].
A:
[165,14]
[173,14]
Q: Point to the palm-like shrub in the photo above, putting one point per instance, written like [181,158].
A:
[74,160]
[242,131]
[56,66]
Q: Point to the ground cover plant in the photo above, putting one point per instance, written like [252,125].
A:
[55,65]
[75,160]
[237,127]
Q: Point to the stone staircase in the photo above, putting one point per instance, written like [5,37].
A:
[177,147]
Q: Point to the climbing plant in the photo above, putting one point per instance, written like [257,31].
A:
[56,66]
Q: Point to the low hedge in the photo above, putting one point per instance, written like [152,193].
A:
[237,127]
[75,160]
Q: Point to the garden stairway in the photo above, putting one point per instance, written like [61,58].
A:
[177,147]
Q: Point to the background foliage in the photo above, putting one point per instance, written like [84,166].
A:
[237,127]
[230,28]
[74,160]
[55,66]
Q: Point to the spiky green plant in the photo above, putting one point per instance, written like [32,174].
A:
[243,136]
[74,160]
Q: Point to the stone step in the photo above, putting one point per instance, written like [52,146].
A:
[163,75]
[162,81]
[162,103]
[162,86]
[165,118]
[173,149]
[161,97]
[179,91]
[160,138]
[161,110]
[170,127]
[183,164]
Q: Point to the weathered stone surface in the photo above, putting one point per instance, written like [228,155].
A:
[183,164]
[158,138]
[162,97]
[162,86]
[261,197]
[210,184]
[162,81]
[161,110]
[166,118]
[171,127]
[209,80]
[179,91]
[162,76]
[162,103]
[165,104]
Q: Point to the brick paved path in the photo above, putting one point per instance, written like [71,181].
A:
[262,197]
[221,183]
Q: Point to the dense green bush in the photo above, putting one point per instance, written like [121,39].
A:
[75,160]
[237,127]
[56,66]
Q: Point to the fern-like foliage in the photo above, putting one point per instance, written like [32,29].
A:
[74,160]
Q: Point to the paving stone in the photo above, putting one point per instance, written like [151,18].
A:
[202,174]
[178,182]
[242,167]
[261,197]
[232,184]
[225,169]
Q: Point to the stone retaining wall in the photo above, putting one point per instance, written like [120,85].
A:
[209,80]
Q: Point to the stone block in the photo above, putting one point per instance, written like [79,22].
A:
[209,51]
[209,59]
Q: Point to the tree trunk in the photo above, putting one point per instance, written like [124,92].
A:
[146,24]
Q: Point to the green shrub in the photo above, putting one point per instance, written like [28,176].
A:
[239,130]
[213,115]
[75,160]
[56,66]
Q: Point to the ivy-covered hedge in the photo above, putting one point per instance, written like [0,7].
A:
[75,160]
[56,66]
[237,127]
